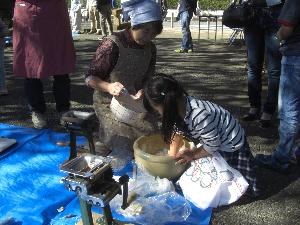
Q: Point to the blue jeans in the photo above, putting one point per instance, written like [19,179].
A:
[2,70]
[185,19]
[261,42]
[289,109]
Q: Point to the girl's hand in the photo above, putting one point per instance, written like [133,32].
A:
[138,95]
[115,88]
[175,145]
[188,155]
[185,156]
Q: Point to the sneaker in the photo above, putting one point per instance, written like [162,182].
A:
[180,50]
[190,50]
[39,120]
[253,114]
[268,162]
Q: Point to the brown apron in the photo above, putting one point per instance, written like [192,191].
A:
[130,70]
[42,39]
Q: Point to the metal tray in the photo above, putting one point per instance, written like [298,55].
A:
[84,165]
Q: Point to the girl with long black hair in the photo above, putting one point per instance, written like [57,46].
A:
[211,127]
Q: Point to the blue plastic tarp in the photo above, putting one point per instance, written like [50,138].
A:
[30,188]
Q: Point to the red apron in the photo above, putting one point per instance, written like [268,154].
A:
[42,40]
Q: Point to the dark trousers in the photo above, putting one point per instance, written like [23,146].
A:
[35,93]
[261,42]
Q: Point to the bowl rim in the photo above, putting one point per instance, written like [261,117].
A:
[151,157]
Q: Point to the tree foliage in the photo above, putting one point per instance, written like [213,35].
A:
[205,4]
[172,4]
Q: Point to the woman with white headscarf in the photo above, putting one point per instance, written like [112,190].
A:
[122,64]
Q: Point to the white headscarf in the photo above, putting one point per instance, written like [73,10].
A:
[141,11]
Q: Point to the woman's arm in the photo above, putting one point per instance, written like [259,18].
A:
[104,61]
[96,83]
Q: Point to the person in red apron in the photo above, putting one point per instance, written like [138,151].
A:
[122,64]
[43,47]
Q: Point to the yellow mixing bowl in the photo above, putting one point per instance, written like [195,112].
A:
[145,149]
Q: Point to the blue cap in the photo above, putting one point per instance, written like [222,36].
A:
[141,11]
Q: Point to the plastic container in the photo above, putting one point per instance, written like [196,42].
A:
[145,150]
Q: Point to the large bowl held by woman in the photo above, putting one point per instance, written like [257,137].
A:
[125,114]
[147,151]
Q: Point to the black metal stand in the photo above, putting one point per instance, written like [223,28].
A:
[80,124]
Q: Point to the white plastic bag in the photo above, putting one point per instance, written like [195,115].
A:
[211,182]
[146,185]
[153,198]
[168,207]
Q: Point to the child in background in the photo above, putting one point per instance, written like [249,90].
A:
[202,122]
[3,33]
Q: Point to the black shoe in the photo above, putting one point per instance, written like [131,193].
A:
[250,117]
[265,123]
[268,162]
[253,194]
[298,160]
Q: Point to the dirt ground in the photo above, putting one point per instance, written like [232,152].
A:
[215,72]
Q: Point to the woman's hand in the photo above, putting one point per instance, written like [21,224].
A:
[115,88]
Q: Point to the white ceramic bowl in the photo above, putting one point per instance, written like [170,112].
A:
[124,114]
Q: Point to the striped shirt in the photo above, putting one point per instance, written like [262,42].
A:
[213,126]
